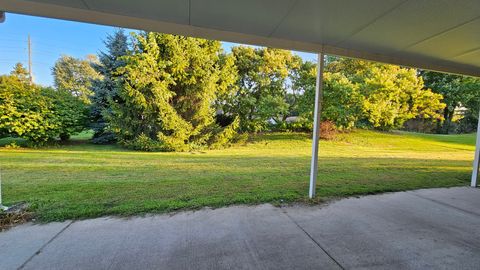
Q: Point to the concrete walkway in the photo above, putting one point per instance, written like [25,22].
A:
[425,229]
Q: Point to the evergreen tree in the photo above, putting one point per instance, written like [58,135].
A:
[166,93]
[20,72]
[104,88]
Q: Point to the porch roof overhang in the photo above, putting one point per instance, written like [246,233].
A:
[441,35]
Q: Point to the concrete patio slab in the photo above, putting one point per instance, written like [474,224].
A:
[19,244]
[424,229]
[465,199]
[396,231]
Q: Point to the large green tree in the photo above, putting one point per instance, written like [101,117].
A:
[391,94]
[104,87]
[166,93]
[75,76]
[36,113]
[261,87]
[457,91]
[342,102]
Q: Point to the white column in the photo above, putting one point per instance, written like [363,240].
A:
[4,208]
[316,125]
[476,160]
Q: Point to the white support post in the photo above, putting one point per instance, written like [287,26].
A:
[476,160]
[2,207]
[316,125]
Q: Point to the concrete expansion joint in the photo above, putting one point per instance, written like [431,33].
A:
[45,245]
[444,204]
[313,240]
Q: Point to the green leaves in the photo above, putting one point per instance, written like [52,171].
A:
[166,93]
[38,114]
[456,91]
[355,91]
[75,76]
[261,91]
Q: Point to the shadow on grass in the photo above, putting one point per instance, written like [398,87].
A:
[284,136]
[9,140]
[464,139]
[62,191]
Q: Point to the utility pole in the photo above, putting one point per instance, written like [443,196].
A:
[30,59]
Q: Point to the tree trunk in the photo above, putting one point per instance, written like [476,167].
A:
[447,123]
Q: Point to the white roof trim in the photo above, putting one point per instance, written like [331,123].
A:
[91,16]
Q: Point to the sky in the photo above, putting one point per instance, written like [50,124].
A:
[51,38]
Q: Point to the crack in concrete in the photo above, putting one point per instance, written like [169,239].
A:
[314,241]
[444,204]
[45,245]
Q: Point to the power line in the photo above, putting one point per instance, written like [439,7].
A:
[30,59]
[11,60]
[41,45]
[41,63]
[54,42]
[12,47]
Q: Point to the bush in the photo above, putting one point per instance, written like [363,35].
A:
[467,124]
[420,125]
[225,135]
[301,125]
[328,131]
[24,111]
[104,137]
[240,138]
[70,112]
[143,143]
[37,114]
[12,145]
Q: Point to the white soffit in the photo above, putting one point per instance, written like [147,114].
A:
[442,35]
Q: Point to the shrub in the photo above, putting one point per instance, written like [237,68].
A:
[300,125]
[225,136]
[467,124]
[25,112]
[328,131]
[143,143]
[69,111]
[37,114]
[240,138]
[12,145]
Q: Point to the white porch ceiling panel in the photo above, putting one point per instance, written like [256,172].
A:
[441,35]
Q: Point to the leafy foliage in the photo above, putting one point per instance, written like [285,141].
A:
[342,102]
[390,94]
[171,93]
[261,87]
[166,93]
[75,76]
[20,72]
[104,87]
[24,111]
[35,113]
[457,91]
[70,113]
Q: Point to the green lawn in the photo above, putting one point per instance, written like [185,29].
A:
[81,180]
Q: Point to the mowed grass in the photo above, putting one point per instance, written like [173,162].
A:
[82,180]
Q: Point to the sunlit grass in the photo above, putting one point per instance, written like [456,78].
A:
[81,180]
